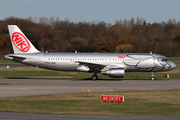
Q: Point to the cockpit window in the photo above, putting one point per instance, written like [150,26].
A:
[164,59]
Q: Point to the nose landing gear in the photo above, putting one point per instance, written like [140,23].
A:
[152,76]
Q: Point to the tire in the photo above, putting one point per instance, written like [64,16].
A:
[94,77]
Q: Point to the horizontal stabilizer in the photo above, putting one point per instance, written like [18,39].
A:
[14,57]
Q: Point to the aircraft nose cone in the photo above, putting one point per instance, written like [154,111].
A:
[173,65]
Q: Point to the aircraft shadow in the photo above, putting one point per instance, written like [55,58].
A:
[85,79]
[88,79]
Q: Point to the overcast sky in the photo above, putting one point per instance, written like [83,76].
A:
[92,10]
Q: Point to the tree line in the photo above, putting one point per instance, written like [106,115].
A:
[134,35]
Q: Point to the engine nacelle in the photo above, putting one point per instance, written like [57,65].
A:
[114,72]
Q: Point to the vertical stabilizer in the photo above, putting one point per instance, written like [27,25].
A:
[19,41]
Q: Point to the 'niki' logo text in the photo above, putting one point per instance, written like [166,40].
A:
[20,42]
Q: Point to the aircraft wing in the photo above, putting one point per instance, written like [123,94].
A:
[98,67]
[92,65]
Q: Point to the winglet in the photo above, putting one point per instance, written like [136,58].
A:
[19,41]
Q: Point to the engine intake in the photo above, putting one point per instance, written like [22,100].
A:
[114,72]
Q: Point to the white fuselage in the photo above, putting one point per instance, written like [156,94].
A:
[89,62]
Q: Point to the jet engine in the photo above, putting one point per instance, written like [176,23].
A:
[114,72]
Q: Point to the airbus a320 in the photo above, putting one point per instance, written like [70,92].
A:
[112,64]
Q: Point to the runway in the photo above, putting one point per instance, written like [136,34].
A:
[27,116]
[26,87]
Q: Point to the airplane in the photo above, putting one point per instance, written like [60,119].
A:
[112,64]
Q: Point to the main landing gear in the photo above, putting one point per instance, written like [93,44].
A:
[94,77]
[152,76]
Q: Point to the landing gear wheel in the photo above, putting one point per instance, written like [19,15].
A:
[94,77]
[152,76]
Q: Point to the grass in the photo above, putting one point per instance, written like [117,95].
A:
[8,62]
[32,72]
[3,84]
[166,102]
[176,60]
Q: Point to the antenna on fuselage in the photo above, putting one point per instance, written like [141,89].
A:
[150,52]
[75,51]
